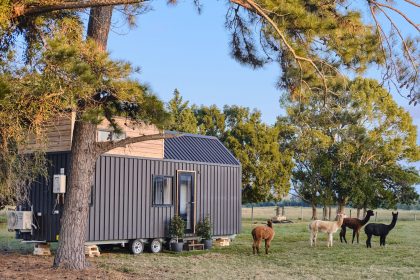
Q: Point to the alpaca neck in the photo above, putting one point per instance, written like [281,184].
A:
[392,224]
[366,219]
[340,221]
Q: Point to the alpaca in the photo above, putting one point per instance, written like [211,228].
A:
[355,224]
[324,226]
[381,230]
[262,232]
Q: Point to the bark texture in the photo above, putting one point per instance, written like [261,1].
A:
[99,24]
[314,215]
[70,251]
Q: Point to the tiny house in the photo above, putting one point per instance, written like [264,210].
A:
[139,188]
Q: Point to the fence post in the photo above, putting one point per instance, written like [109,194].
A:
[301,213]
[350,213]
[376,215]
[415,217]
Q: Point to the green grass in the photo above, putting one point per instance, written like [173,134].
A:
[290,257]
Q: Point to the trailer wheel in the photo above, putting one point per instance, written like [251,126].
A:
[136,247]
[155,246]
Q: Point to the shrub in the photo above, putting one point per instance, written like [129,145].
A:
[177,227]
[203,228]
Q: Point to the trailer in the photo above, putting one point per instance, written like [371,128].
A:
[135,194]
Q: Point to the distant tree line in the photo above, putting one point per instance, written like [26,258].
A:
[342,149]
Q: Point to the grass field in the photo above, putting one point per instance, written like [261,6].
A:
[290,257]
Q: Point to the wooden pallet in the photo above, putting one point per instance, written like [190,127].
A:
[42,249]
[195,246]
[222,242]
[92,251]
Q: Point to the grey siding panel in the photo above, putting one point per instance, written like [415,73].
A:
[122,198]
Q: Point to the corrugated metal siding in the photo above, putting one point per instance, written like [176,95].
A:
[43,200]
[122,198]
[198,148]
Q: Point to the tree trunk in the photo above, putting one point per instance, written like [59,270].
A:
[341,207]
[329,213]
[99,24]
[314,217]
[252,213]
[324,212]
[70,252]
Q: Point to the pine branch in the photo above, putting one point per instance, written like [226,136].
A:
[250,5]
[103,147]
[397,11]
[29,10]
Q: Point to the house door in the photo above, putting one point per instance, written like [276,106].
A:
[186,199]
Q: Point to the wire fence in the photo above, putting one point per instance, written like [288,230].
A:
[296,213]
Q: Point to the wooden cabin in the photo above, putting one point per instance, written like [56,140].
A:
[139,188]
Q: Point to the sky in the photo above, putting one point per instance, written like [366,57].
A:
[175,47]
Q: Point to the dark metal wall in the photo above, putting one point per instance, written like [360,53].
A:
[44,202]
[122,198]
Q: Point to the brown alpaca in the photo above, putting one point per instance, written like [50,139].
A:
[355,224]
[262,232]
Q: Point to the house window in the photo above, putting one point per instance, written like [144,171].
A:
[162,190]
[107,135]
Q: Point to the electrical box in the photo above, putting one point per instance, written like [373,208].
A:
[21,220]
[59,183]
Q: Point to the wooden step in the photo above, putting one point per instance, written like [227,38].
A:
[222,242]
[92,251]
[192,246]
[42,249]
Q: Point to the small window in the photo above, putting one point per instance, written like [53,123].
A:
[162,190]
[106,135]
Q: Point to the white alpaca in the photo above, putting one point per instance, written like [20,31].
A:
[324,226]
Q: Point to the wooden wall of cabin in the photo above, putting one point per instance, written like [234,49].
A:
[59,133]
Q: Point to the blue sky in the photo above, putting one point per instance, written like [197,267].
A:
[175,47]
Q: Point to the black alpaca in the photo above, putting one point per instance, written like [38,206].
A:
[355,224]
[381,230]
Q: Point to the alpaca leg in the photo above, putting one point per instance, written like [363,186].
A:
[357,235]
[258,246]
[311,239]
[354,235]
[343,235]
[253,247]
[267,245]
[382,240]
[368,244]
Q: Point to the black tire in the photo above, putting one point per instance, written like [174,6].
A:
[136,246]
[155,246]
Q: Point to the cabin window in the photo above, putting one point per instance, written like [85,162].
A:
[162,190]
[107,135]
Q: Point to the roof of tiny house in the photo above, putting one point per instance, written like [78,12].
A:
[198,148]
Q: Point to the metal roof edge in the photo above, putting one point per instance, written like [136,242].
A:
[205,137]
[173,160]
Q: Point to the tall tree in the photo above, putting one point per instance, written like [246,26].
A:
[265,170]
[310,40]
[182,117]
[210,120]
[358,131]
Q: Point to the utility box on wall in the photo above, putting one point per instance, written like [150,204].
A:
[59,183]
[21,220]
